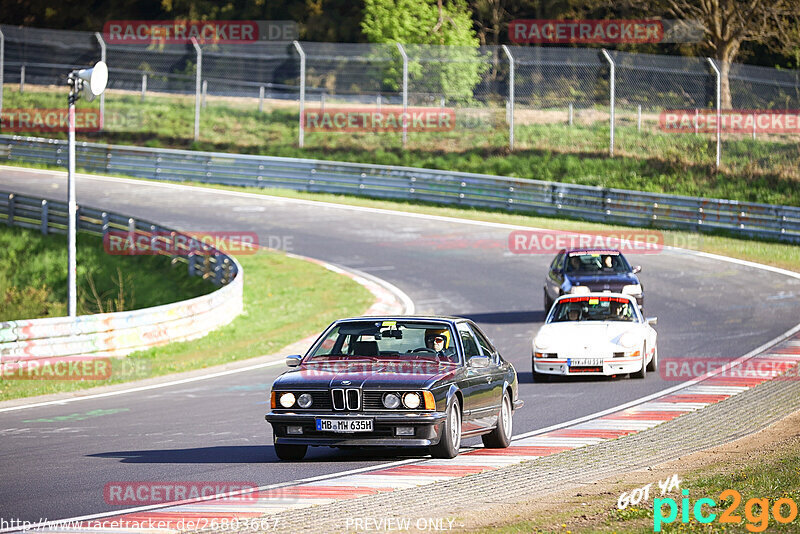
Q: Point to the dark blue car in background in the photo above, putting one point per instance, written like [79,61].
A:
[578,271]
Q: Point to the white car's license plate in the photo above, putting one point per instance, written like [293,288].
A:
[585,362]
[344,425]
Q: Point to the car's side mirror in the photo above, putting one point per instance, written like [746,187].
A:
[479,362]
[652,321]
[637,269]
[293,360]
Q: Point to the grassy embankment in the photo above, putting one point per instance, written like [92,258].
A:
[752,170]
[285,299]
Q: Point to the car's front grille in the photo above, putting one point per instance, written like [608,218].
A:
[373,400]
[338,399]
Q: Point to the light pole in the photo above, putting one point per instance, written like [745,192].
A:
[91,82]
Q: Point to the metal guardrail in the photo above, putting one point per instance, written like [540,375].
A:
[608,205]
[119,333]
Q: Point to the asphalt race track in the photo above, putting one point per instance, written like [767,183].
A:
[56,459]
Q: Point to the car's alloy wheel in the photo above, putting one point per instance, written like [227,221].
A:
[290,452]
[450,442]
[500,437]
[643,372]
[653,365]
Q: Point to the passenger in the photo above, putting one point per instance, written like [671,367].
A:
[574,263]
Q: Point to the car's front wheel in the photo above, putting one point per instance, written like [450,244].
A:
[653,365]
[500,437]
[642,373]
[450,441]
[290,452]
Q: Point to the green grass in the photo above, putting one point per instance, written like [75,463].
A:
[33,277]
[285,300]
[761,170]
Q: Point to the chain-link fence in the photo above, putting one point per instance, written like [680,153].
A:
[547,98]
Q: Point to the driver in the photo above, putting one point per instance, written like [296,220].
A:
[573,314]
[439,342]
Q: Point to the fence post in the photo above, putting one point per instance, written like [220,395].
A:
[198,76]
[639,118]
[10,218]
[570,113]
[261,99]
[132,235]
[302,91]
[204,91]
[405,92]
[144,86]
[696,121]
[379,103]
[22,79]
[103,94]
[754,126]
[2,65]
[510,96]
[45,217]
[322,102]
[718,104]
[611,101]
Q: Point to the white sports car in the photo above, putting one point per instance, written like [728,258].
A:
[595,334]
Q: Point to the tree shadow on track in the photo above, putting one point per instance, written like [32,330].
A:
[246,454]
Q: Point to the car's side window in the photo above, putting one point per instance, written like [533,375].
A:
[559,261]
[484,344]
[468,341]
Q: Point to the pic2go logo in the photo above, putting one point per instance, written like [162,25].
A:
[756,511]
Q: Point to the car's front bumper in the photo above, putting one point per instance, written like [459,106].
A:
[427,429]
[610,367]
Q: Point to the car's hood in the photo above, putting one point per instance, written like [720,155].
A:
[390,374]
[577,335]
[599,279]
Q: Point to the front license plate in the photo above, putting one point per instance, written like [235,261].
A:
[585,362]
[344,425]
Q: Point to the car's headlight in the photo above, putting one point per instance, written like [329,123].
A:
[411,401]
[304,400]
[542,342]
[391,401]
[579,290]
[287,400]
[629,339]
[632,289]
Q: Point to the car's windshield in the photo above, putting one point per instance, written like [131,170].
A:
[593,309]
[597,261]
[371,340]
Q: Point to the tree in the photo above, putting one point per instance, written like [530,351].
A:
[730,23]
[453,71]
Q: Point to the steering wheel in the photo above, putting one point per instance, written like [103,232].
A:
[424,349]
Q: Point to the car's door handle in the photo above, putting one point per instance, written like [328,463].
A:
[488,379]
